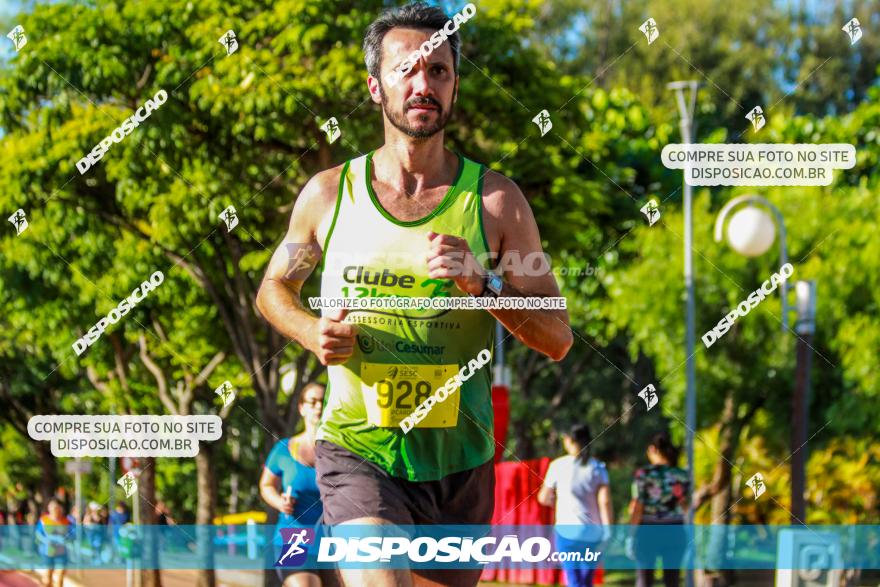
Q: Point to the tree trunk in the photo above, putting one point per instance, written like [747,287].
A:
[48,471]
[205,508]
[728,441]
[150,574]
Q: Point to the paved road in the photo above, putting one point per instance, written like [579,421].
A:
[170,578]
[14,579]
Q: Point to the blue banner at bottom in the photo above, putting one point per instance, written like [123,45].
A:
[252,547]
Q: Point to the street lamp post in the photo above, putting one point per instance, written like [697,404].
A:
[751,233]
[805,328]
[686,109]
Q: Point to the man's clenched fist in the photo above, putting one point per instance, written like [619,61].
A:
[333,340]
[450,257]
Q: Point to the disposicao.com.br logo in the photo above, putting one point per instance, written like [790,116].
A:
[449,549]
[296,546]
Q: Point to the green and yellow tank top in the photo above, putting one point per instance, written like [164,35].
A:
[403,356]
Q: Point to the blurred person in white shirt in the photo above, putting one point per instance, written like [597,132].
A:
[577,484]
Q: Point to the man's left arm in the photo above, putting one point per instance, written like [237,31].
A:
[526,272]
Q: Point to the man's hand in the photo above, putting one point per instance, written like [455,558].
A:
[450,257]
[332,340]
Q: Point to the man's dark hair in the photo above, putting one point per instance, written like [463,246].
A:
[416,15]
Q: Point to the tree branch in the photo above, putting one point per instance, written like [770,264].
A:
[158,375]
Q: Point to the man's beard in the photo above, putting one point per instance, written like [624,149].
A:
[401,123]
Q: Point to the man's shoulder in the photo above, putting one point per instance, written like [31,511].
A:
[502,196]
[323,187]
[498,185]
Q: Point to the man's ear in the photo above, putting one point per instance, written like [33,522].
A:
[373,87]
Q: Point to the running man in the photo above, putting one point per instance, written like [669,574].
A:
[411,218]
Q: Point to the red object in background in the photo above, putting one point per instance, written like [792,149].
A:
[127,464]
[501,408]
[516,503]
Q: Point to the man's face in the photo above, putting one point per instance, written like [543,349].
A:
[421,102]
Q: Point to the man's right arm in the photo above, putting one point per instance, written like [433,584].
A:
[278,298]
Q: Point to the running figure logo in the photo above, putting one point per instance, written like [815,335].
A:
[229,42]
[128,482]
[295,551]
[543,121]
[757,484]
[757,118]
[331,127]
[650,30]
[17,36]
[651,210]
[226,393]
[854,29]
[649,395]
[19,221]
[301,259]
[230,217]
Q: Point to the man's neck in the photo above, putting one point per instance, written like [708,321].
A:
[413,166]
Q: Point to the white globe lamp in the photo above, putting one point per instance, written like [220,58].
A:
[751,231]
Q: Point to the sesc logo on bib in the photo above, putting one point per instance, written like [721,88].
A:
[295,551]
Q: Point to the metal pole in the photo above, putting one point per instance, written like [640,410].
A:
[686,123]
[112,483]
[800,401]
[499,345]
[77,499]
[136,518]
